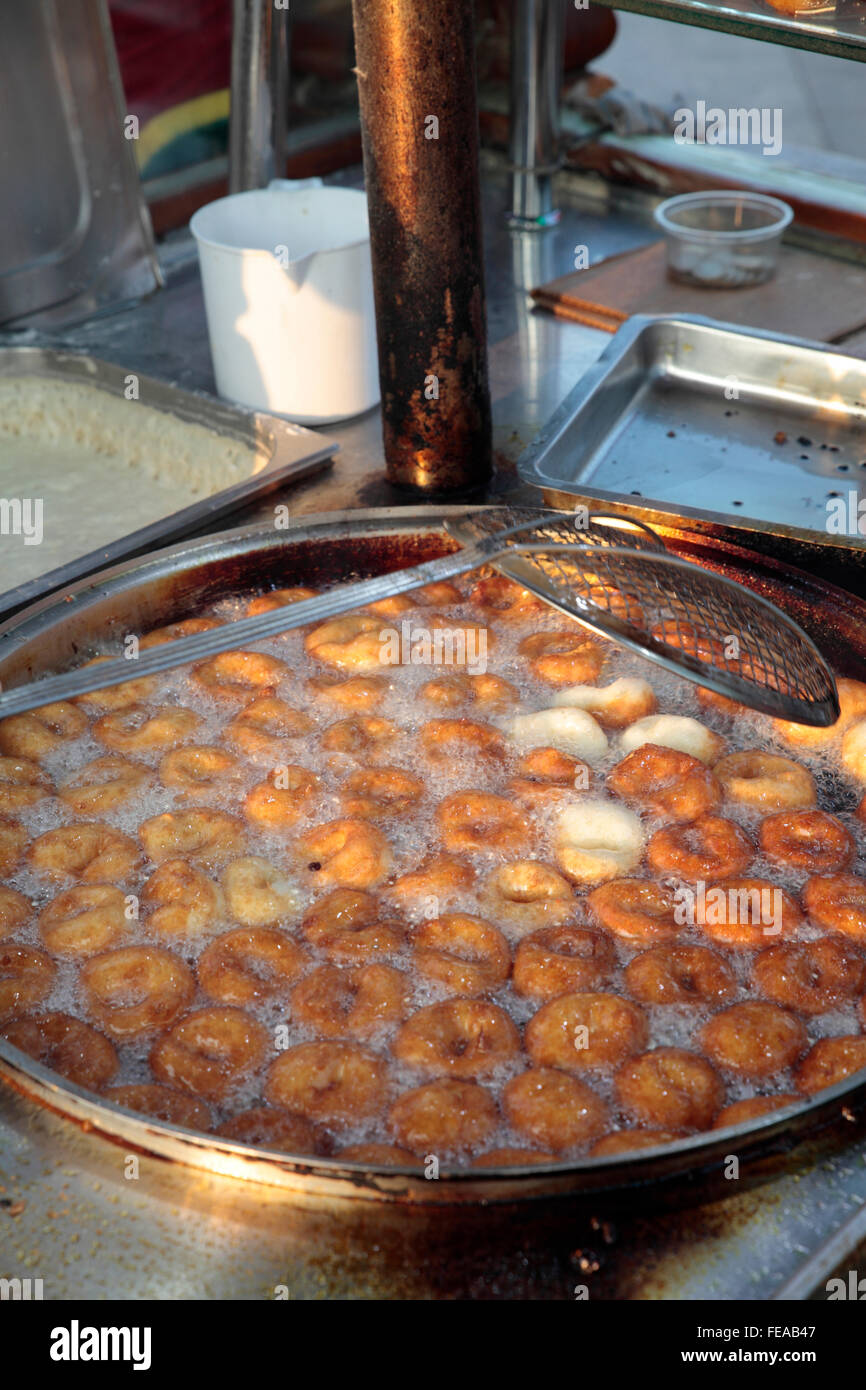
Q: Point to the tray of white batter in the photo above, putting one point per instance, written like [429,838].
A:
[98,464]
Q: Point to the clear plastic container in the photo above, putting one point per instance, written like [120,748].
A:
[723,239]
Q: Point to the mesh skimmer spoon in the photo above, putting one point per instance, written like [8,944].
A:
[612,575]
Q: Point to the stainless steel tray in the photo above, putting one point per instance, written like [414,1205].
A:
[683,416]
[289,452]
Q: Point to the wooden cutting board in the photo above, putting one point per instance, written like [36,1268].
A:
[810,296]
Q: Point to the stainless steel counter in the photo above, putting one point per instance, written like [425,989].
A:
[69,1212]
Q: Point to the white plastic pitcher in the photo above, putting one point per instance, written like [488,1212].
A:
[288,292]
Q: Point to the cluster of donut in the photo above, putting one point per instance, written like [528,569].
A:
[557,876]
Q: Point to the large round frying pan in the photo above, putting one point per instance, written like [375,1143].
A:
[180,581]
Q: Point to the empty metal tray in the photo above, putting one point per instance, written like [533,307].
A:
[689,417]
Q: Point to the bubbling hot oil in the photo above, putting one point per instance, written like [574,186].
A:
[415,836]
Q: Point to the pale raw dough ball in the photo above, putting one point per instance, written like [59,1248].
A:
[597,840]
[571,731]
[614,705]
[674,731]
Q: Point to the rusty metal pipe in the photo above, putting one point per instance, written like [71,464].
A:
[419,120]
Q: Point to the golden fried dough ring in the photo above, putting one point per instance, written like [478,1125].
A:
[210,1052]
[238,675]
[742,1111]
[460,1037]
[273,1129]
[393,606]
[581,1030]
[184,901]
[348,854]
[84,920]
[330,1083]
[161,1103]
[264,730]
[131,692]
[837,902]
[102,785]
[545,773]
[360,736]
[258,894]
[440,594]
[626,1141]
[13,840]
[250,964]
[635,910]
[670,1088]
[142,729]
[90,853]
[443,1117]
[753,1039]
[563,658]
[456,738]
[359,693]
[708,848]
[551,765]
[486,691]
[22,784]
[829,1061]
[476,821]
[443,877]
[199,770]
[200,834]
[384,791]
[279,802]
[465,954]
[811,977]
[278,598]
[667,782]
[552,1109]
[26,978]
[173,632]
[527,894]
[66,1045]
[41,732]
[352,643]
[679,975]
[765,781]
[348,927]
[15,911]
[562,960]
[357,1002]
[812,841]
[136,989]
[507,600]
